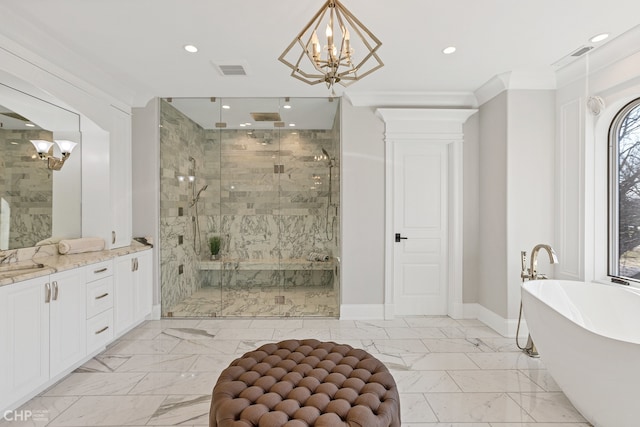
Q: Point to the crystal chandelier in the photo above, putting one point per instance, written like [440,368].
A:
[348,53]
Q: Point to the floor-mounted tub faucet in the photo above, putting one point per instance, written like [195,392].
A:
[531,273]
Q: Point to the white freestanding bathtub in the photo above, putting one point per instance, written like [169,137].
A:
[588,337]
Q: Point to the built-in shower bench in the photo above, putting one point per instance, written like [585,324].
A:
[267,264]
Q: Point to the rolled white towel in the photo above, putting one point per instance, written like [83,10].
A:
[77,246]
[316,256]
[49,241]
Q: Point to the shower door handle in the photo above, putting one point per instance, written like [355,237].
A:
[399,237]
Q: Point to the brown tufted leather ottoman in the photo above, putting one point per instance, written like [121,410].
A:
[305,383]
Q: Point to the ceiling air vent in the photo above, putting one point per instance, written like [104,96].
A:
[581,51]
[231,68]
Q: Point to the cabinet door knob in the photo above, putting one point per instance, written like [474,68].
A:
[102,296]
[113,237]
[55,290]
[102,270]
[47,293]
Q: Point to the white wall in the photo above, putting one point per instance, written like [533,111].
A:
[145,153]
[516,194]
[363,206]
[582,140]
[471,205]
[493,205]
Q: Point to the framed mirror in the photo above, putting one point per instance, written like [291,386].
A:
[38,204]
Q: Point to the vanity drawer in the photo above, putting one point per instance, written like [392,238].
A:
[99,296]
[99,270]
[99,331]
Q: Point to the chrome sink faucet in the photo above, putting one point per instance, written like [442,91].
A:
[531,273]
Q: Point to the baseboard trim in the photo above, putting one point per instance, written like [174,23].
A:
[505,327]
[362,311]
[156,312]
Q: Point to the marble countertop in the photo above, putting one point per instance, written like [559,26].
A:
[30,263]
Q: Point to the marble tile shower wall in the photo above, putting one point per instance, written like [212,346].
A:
[180,138]
[258,213]
[268,215]
[26,189]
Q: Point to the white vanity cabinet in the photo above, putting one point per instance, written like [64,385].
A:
[132,277]
[67,320]
[24,338]
[52,324]
[100,331]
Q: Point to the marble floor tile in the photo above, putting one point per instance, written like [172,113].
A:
[433,322]
[414,408]
[129,347]
[541,425]
[452,345]
[245,334]
[95,384]
[181,409]
[340,334]
[398,346]
[158,363]
[164,371]
[425,381]
[438,362]
[328,323]
[476,407]
[548,407]
[103,363]
[39,411]
[175,383]
[543,378]
[109,411]
[415,333]
[302,333]
[213,346]
[494,381]
[505,361]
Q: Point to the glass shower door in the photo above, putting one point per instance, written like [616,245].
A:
[250,176]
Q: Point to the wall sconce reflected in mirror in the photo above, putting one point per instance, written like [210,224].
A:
[43,147]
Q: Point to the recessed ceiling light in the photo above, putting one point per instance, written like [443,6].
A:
[13,143]
[242,125]
[287,106]
[599,38]
[190,48]
[449,50]
[31,125]
[226,107]
[292,124]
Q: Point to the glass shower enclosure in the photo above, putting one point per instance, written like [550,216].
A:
[250,207]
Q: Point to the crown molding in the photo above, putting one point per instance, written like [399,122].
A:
[412,99]
[543,79]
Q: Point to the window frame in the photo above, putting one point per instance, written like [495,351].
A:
[613,189]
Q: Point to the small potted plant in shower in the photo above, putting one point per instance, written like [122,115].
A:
[214,245]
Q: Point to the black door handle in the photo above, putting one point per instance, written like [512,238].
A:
[399,237]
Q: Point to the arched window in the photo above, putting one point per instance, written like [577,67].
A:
[624,193]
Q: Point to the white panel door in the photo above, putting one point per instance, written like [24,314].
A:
[420,218]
